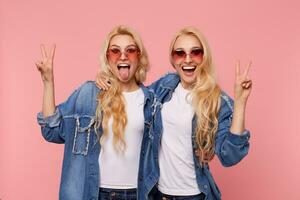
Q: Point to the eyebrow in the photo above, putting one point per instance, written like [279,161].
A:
[196,47]
[131,45]
[178,49]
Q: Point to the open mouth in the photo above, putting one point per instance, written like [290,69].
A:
[124,71]
[123,65]
[188,68]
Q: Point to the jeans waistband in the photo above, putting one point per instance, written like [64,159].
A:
[118,191]
[177,197]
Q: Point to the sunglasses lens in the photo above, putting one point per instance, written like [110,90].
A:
[114,53]
[197,53]
[132,53]
[178,55]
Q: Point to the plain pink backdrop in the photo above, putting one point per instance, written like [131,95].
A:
[266,32]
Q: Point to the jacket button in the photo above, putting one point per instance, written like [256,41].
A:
[205,186]
[141,178]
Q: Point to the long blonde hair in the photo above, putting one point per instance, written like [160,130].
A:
[205,98]
[111,103]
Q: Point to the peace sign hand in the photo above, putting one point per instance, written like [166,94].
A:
[45,66]
[243,84]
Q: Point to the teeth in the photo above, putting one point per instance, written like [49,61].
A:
[123,65]
[188,67]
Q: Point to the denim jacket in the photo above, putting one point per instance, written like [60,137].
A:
[230,148]
[73,124]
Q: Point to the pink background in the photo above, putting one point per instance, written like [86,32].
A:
[266,32]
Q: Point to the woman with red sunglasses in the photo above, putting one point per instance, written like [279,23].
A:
[102,130]
[194,120]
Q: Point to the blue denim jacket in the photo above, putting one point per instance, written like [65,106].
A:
[73,124]
[230,148]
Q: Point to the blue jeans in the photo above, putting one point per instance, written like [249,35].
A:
[161,196]
[117,194]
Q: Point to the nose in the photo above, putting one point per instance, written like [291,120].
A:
[123,56]
[188,58]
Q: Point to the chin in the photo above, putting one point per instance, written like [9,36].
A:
[124,80]
[189,80]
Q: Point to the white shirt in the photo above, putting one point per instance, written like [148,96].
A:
[176,163]
[120,170]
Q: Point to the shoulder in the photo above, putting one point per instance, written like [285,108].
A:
[87,92]
[167,81]
[226,101]
[169,78]
[88,86]
[226,108]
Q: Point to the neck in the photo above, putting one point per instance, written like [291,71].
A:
[187,86]
[129,86]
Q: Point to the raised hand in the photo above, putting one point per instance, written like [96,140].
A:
[243,83]
[102,81]
[242,90]
[45,65]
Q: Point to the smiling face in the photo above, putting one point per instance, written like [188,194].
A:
[187,55]
[123,57]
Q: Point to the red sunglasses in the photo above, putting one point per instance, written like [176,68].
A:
[115,53]
[180,55]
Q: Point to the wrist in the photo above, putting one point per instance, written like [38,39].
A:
[240,102]
[48,83]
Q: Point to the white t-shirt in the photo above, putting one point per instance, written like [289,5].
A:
[120,170]
[176,163]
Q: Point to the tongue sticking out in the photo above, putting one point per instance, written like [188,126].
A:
[124,73]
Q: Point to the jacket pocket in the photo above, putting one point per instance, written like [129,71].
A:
[82,134]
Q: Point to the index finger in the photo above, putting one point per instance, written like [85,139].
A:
[247,69]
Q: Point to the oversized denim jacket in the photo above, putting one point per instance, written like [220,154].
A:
[230,148]
[73,124]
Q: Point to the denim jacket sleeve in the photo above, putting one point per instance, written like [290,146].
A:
[156,85]
[52,126]
[230,148]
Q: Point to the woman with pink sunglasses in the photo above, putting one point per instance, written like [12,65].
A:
[102,130]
